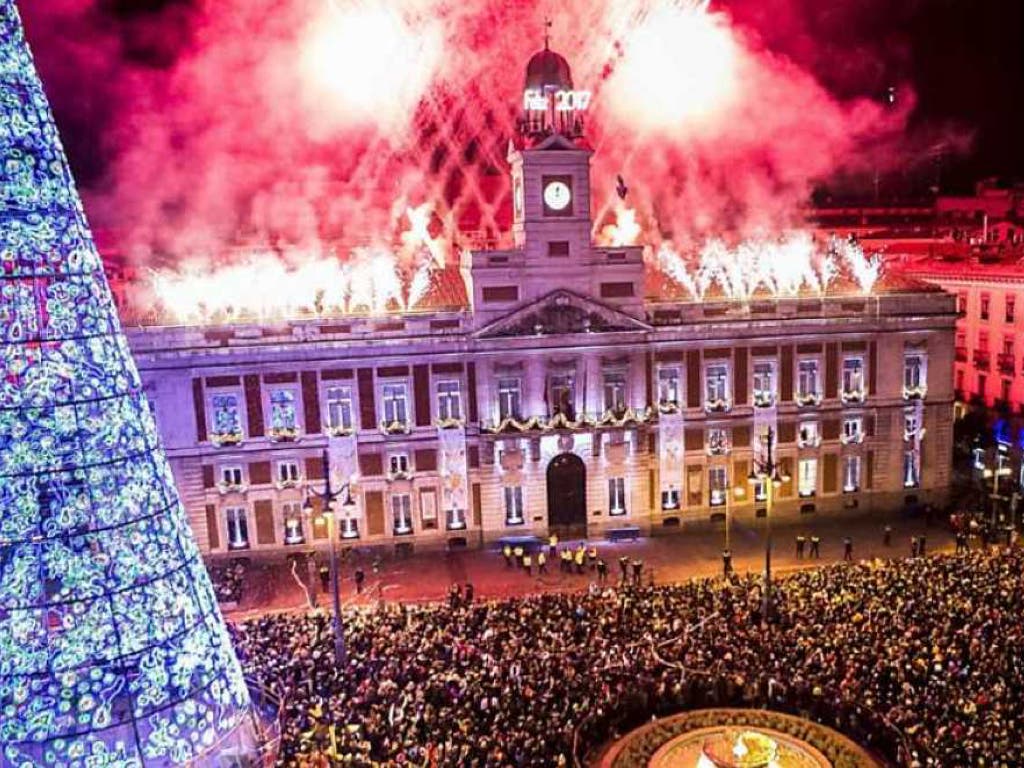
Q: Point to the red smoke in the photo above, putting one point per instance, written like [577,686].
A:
[261,123]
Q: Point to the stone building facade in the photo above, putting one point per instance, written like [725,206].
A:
[557,386]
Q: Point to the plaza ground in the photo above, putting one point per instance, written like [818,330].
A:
[694,550]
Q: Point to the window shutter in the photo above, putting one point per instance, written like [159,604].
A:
[199,406]
[739,379]
[264,521]
[873,368]
[314,468]
[212,526]
[830,429]
[478,507]
[830,482]
[374,502]
[421,393]
[371,464]
[869,470]
[311,403]
[693,388]
[253,405]
[694,438]
[208,479]
[786,374]
[786,432]
[259,473]
[741,436]
[831,370]
[786,469]
[471,393]
[367,402]
[426,460]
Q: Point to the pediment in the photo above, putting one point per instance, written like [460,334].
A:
[562,313]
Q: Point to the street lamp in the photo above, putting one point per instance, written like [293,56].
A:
[327,497]
[762,470]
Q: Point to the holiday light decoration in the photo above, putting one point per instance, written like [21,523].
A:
[112,648]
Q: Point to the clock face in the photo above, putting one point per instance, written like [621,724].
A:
[557,195]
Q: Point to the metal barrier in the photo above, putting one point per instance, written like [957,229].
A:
[255,748]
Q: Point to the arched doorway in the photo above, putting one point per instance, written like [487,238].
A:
[567,495]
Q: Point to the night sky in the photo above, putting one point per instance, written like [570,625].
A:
[964,59]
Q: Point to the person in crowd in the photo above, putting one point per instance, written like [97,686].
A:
[507,552]
[928,648]
[542,563]
[638,569]
[887,536]
[815,547]
[359,577]
[847,549]
[800,541]
[602,571]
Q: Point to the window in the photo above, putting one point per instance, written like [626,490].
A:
[983,341]
[282,410]
[238,528]
[558,248]
[910,423]
[718,486]
[395,404]
[1011,306]
[231,476]
[961,303]
[226,417]
[853,378]
[455,519]
[448,401]
[718,442]
[807,381]
[615,392]
[808,477]
[401,513]
[716,381]
[764,383]
[853,429]
[910,469]
[809,436]
[287,472]
[513,505]
[982,385]
[291,512]
[668,386]
[339,408]
[960,381]
[670,499]
[760,490]
[563,396]
[986,300]
[398,464]
[851,474]
[914,375]
[616,496]
[508,399]
[961,339]
[1008,345]
[1004,390]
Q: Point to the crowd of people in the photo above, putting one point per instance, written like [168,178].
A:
[930,649]
[227,581]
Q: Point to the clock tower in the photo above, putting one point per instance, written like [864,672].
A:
[549,159]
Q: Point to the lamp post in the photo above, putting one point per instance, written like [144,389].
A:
[767,469]
[327,497]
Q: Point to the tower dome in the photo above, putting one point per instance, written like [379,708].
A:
[548,70]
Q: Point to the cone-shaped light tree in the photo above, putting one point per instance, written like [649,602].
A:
[112,648]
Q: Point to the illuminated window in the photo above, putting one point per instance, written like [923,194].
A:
[718,486]
[513,505]
[670,499]
[760,490]
[668,386]
[563,396]
[448,401]
[718,441]
[395,403]
[853,378]
[615,392]
[914,377]
[716,386]
[508,399]
[398,464]
[282,410]
[809,436]
[401,513]
[1011,306]
[291,513]
[851,473]
[616,496]
[764,383]
[961,303]
[853,429]
[807,477]
[226,417]
[986,301]
[808,385]
[911,469]
[238,527]
[339,407]
[287,472]
[231,476]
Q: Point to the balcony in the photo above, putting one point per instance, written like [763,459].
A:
[764,399]
[982,359]
[854,396]
[808,399]
[961,354]
[1005,362]
[717,405]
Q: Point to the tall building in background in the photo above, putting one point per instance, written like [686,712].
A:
[558,385]
[112,649]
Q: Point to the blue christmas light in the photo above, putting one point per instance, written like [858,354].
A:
[112,649]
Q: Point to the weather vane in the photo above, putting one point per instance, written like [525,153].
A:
[547,32]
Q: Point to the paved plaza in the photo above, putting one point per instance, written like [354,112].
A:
[694,550]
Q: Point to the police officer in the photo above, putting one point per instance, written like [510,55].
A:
[800,541]
[815,547]
[542,563]
[848,549]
